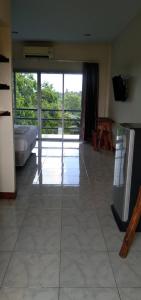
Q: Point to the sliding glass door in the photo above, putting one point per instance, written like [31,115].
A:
[72,105]
[51,106]
[50,101]
[26,104]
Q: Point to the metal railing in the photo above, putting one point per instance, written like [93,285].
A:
[49,125]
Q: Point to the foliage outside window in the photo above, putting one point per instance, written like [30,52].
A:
[51,106]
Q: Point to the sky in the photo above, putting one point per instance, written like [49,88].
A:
[72,82]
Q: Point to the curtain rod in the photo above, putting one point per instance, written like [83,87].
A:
[61,60]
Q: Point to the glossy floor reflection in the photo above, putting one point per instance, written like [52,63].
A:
[58,239]
[61,165]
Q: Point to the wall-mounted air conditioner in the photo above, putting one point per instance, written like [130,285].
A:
[38,52]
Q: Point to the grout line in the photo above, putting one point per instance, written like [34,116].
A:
[13,250]
[119,293]
[87,175]
[60,248]
[5,272]
[109,260]
[69,287]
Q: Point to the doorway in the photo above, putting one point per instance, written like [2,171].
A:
[51,101]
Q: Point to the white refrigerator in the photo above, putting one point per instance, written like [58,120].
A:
[127,173]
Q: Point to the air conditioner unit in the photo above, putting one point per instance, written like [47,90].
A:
[38,52]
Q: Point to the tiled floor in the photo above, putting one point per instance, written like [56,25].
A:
[58,240]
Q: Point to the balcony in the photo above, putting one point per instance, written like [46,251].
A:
[53,124]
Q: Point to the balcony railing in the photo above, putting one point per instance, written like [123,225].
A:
[52,120]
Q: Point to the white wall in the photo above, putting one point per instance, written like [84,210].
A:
[69,57]
[126,60]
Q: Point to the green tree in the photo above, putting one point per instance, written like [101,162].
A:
[26,95]
[72,102]
[26,90]
[51,104]
[51,101]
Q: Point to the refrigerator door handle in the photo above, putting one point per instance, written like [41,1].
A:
[129,175]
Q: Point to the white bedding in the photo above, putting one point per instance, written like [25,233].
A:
[24,136]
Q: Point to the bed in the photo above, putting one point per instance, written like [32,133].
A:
[25,140]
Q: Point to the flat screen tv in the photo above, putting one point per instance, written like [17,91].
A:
[120,88]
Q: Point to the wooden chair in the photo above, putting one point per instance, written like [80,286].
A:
[102,138]
[131,230]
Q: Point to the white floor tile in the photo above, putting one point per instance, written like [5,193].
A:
[39,239]
[8,237]
[89,294]
[127,271]
[4,260]
[76,217]
[63,209]
[82,238]
[47,218]
[130,293]
[86,269]
[11,217]
[33,270]
[29,294]
[46,201]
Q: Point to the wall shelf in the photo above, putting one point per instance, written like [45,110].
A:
[4,113]
[4,86]
[3,59]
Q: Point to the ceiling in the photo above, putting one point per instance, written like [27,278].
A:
[69,21]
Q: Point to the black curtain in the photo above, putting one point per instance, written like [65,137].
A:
[90,93]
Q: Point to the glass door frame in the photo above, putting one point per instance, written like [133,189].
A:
[39,101]
[62,108]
